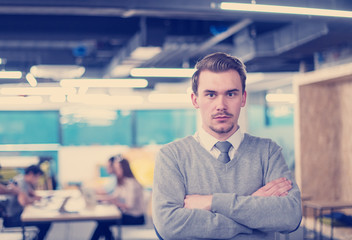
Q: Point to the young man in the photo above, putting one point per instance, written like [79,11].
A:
[222,183]
[10,189]
[27,184]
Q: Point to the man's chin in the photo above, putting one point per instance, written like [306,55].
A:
[221,130]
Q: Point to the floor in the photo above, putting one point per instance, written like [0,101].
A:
[83,230]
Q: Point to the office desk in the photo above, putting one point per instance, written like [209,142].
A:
[320,207]
[47,210]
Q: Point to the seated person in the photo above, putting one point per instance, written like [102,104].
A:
[26,184]
[110,180]
[127,196]
[10,189]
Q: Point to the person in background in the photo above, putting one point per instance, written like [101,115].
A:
[222,183]
[110,185]
[10,189]
[127,196]
[26,184]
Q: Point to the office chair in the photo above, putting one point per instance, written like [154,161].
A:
[30,231]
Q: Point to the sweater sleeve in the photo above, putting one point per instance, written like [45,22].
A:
[171,220]
[282,214]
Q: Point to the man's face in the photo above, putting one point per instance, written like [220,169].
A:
[219,100]
[33,178]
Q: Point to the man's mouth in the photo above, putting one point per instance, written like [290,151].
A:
[222,116]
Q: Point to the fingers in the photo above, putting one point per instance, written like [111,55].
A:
[278,187]
[273,183]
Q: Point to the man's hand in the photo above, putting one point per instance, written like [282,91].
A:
[198,201]
[278,187]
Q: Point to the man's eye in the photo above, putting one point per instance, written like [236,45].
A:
[231,94]
[211,95]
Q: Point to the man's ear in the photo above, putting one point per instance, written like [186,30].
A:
[244,98]
[194,100]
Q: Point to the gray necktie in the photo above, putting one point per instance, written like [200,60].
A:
[224,148]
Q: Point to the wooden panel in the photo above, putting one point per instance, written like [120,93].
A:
[324,155]
[345,163]
[319,140]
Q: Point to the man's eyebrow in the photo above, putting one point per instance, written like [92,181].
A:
[213,91]
[209,91]
[233,90]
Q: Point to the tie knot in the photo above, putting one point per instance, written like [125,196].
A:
[223,146]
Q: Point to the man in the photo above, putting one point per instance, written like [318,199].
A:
[27,184]
[244,191]
[9,189]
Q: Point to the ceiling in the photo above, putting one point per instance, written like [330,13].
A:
[102,35]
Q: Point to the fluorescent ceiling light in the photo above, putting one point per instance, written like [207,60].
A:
[280,97]
[145,53]
[253,78]
[102,99]
[162,72]
[284,9]
[11,74]
[18,161]
[37,91]
[169,98]
[21,100]
[31,80]
[57,98]
[82,90]
[29,147]
[105,83]
[57,71]
[122,70]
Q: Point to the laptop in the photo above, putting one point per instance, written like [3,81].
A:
[62,208]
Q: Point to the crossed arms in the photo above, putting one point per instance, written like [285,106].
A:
[278,187]
[180,214]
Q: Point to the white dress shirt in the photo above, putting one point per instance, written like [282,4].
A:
[208,141]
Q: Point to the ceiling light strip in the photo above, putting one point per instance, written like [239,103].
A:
[162,72]
[10,74]
[37,91]
[113,83]
[169,98]
[31,80]
[29,147]
[284,10]
[102,99]
[21,100]
[280,97]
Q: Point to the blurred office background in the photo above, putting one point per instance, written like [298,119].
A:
[80,81]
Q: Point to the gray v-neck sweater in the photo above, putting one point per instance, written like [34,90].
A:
[184,167]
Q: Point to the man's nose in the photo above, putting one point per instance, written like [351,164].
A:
[221,103]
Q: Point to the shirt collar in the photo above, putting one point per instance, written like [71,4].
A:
[208,141]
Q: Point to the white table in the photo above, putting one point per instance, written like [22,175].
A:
[48,209]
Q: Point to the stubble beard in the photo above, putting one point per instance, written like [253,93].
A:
[222,130]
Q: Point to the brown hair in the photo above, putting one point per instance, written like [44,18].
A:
[219,62]
[126,169]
